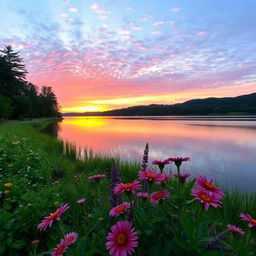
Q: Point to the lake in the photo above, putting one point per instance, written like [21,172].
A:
[223,148]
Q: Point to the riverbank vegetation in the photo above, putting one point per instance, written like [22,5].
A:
[19,98]
[102,206]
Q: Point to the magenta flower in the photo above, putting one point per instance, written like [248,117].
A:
[178,160]
[130,187]
[206,199]
[122,239]
[80,201]
[60,248]
[121,208]
[97,177]
[207,185]
[249,219]
[157,196]
[70,238]
[235,229]
[163,178]
[47,221]
[182,177]
[157,162]
[143,194]
[149,175]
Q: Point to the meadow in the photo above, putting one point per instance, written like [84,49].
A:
[54,203]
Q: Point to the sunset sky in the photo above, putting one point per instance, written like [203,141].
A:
[108,54]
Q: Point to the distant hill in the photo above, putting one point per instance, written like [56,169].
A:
[241,105]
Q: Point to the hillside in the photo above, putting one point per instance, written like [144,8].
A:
[242,105]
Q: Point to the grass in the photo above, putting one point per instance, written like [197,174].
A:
[46,173]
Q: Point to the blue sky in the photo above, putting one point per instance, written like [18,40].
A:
[108,54]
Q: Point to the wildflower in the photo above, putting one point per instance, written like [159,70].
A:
[182,177]
[143,195]
[207,185]
[235,229]
[149,175]
[163,178]
[248,218]
[8,184]
[7,191]
[145,158]
[47,221]
[97,177]
[178,160]
[35,242]
[206,199]
[158,195]
[60,249]
[131,187]
[80,201]
[116,211]
[70,238]
[122,239]
[161,164]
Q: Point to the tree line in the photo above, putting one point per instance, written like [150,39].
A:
[19,98]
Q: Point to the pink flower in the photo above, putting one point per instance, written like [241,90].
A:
[205,198]
[163,178]
[157,162]
[143,194]
[182,176]
[70,238]
[80,201]
[158,195]
[149,175]
[47,221]
[121,208]
[131,187]
[60,248]
[248,218]
[178,160]
[97,177]
[122,239]
[235,229]
[207,185]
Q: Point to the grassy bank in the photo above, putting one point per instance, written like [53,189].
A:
[38,174]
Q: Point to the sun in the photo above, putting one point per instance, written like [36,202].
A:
[82,109]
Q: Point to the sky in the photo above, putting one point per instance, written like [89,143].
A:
[108,54]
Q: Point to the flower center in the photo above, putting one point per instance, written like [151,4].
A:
[210,186]
[205,197]
[151,175]
[121,238]
[69,239]
[159,195]
[120,208]
[253,221]
[60,249]
[53,216]
[128,186]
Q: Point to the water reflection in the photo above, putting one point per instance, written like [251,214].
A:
[223,149]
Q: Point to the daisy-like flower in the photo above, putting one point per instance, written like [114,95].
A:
[143,195]
[149,175]
[205,198]
[178,160]
[155,197]
[97,177]
[122,239]
[70,238]
[161,164]
[163,178]
[60,248]
[182,177]
[235,229]
[249,219]
[121,208]
[203,183]
[80,201]
[130,187]
[47,221]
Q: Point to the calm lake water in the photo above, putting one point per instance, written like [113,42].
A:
[224,149]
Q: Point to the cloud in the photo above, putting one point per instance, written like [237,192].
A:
[202,33]
[73,9]
[156,32]
[176,9]
[158,23]
[129,8]
[102,13]
[134,26]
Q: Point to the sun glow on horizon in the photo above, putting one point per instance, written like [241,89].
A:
[82,109]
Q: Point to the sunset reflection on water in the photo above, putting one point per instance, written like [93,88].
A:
[222,149]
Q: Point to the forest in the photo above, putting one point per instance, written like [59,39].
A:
[20,99]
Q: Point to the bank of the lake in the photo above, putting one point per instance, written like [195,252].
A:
[38,174]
